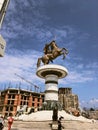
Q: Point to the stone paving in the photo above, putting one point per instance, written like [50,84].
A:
[69,125]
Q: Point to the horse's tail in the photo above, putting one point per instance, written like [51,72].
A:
[39,62]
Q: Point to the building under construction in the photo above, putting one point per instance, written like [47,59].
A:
[13,100]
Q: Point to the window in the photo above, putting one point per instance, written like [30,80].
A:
[21,103]
[7,108]
[21,97]
[12,102]
[1,108]
[38,99]
[13,91]
[9,96]
[24,97]
[13,96]
[11,108]
[33,99]
[32,104]
[8,101]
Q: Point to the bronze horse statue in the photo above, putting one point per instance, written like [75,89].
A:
[51,52]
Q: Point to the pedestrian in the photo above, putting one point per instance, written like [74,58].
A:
[10,121]
[60,126]
[2,123]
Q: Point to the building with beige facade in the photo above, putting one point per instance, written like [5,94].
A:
[68,99]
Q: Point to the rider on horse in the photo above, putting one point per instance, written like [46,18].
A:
[48,49]
[51,52]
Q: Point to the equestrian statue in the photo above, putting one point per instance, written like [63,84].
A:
[51,52]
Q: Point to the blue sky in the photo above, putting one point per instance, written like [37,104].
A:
[30,24]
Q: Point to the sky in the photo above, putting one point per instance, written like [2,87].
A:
[30,24]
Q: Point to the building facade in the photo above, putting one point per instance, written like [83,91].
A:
[68,99]
[12,100]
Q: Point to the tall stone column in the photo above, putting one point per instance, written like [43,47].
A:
[51,73]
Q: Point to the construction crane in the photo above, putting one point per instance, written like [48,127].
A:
[35,86]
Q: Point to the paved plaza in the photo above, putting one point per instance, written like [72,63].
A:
[69,125]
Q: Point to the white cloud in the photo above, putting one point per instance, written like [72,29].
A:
[79,73]
[20,64]
[91,103]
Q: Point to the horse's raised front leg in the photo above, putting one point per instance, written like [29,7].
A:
[64,52]
[64,55]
